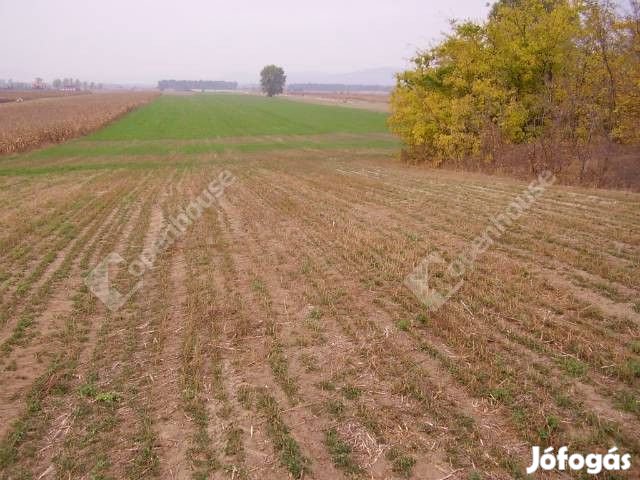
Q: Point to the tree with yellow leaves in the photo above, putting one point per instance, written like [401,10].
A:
[551,76]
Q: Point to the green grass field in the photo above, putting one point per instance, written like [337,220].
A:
[185,129]
[208,116]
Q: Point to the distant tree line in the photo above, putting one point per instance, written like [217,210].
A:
[58,83]
[540,84]
[13,85]
[336,87]
[70,83]
[196,85]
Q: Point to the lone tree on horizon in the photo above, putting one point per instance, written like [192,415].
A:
[272,80]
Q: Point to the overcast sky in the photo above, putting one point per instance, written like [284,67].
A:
[142,41]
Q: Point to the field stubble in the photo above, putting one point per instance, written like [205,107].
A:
[276,339]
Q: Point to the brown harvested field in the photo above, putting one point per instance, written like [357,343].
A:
[26,125]
[275,338]
[369,101]
[13,95]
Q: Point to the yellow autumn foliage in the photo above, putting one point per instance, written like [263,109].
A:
[533,70]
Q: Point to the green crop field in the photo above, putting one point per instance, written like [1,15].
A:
[229,115]
[184,129]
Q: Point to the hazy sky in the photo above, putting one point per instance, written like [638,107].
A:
[143,41]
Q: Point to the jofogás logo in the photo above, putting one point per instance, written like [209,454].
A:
[594,463]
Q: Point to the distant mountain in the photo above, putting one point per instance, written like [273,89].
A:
[371,76]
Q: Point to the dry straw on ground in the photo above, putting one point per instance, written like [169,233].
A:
[26,125]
